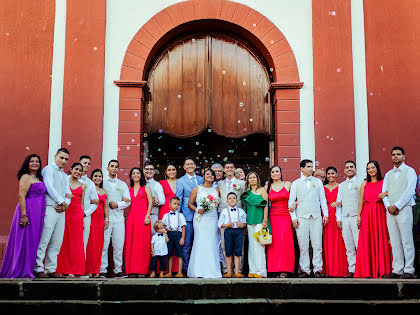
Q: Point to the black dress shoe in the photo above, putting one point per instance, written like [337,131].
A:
[54,275]
[392,276]
[303,275]
[102,275]
[119,275]
[406,275]
[40,275]
[318,275]
[349,275]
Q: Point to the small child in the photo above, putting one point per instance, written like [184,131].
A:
[175,224]
[231,219]
[159,249]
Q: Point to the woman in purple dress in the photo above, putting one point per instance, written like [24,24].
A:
[27,224]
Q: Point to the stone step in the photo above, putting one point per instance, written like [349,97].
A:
[120,290]
[207,306]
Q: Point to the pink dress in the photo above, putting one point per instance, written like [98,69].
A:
[167,190]
[96,238]
[373,258]
[137,235]
[71,259]
[335,257]
[281,253]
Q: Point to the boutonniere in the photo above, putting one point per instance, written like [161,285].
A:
[313,185]
[236,187]
[355,187]
[119,189]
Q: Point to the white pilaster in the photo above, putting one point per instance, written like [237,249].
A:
[359,86]
[57,78]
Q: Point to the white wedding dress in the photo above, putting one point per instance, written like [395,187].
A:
[204,260]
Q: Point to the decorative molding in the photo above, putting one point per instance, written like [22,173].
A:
[284,85]
[129,83]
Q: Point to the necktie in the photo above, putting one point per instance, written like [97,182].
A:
[160,234]
[194,181]
[172,213]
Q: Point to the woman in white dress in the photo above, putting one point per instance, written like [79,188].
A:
[205,260]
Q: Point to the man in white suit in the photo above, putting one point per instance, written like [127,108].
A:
[229,184]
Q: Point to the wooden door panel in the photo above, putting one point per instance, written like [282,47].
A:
[208,81]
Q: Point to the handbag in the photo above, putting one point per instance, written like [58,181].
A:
[265,238]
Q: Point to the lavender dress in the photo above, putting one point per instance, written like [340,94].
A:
[19,259]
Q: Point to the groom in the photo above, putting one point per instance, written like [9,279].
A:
[226,186]
[184,186]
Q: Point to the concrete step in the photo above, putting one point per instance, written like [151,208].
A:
[204,296]
[207,306]
[196,289]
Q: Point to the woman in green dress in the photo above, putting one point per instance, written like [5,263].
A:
[255,201]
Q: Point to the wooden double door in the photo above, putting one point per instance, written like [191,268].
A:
[210,81]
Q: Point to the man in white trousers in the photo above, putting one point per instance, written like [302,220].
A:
[57,201]
[91,197]
[309,193]
[157,193]
[347,205]
[118,198]
[400,186]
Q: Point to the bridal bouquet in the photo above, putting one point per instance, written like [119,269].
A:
[208,204]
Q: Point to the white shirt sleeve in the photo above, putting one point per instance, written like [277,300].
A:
[90,207]
[160,194]
[292,199]
[409,191]
[182,220]
[322,199]
[338,209]
[68,191]
[385,188]
[48,175]
[126,194]
[242,215]
[221,220]
[165,220]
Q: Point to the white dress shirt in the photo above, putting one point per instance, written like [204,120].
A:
[112,182]
[316,183]
[157,190]
[159,244]
[90,194]
[409,193]
[233,215]
[174,221]
[57,184]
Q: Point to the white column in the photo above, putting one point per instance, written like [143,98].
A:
[57,78]
[359,86]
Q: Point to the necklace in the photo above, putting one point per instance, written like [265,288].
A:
[36,178]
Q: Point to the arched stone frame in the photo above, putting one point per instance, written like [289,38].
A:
[255,27]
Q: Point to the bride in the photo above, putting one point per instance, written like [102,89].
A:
[204,261]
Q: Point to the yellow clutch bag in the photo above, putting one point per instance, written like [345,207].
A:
[263,237]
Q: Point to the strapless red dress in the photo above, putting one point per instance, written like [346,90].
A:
[71,259]
[281,253]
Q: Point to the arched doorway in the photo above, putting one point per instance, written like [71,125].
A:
[209,92]
[220,16]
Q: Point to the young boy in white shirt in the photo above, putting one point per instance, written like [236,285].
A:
[233,219]
[159,249]
[175,225]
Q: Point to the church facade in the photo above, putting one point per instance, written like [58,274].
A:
[259,81]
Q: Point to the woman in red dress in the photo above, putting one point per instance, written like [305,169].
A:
[335,257]
[281,253]
[373,258]
[99,223]
[71,259]
[169,189]
[138,232]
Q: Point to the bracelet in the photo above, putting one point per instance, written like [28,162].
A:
[107,219]
[24,216]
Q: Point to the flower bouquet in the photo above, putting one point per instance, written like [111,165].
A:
[207,204]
